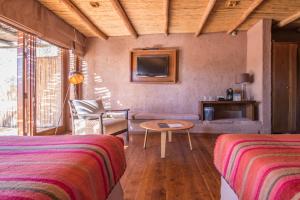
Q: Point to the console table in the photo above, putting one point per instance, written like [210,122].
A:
[229,109]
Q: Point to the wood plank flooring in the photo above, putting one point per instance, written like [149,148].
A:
[182,175]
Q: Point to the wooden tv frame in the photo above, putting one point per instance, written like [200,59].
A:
[172,76]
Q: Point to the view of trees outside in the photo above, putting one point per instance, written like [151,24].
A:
[8,91]
[48,87]
[48,83]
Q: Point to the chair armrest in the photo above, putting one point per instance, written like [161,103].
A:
[118,110]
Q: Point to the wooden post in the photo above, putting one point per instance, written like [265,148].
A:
[20,86]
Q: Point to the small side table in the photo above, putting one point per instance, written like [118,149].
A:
[154,126]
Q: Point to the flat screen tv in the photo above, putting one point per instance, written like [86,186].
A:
[153,66]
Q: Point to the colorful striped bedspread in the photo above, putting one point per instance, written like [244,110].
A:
[260,166]
[60,167]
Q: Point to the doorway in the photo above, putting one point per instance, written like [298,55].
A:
[285,88]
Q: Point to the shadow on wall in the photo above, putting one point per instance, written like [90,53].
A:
[104,93]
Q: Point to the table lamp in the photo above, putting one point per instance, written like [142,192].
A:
[75,78]
[243,79]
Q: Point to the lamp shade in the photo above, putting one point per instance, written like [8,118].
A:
[243,78]
[76,78]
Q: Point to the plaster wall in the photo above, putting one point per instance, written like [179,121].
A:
[207,67]
[259,66]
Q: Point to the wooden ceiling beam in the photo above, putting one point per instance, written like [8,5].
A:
[121,12]
[205,15]
[73,8]
[245,15]
[167,14]
[289,19]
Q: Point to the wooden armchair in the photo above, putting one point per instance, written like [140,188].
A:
[90,117]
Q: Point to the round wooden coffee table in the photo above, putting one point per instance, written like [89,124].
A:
[167,126]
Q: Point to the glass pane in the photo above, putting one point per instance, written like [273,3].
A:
[48,85]
[8,81]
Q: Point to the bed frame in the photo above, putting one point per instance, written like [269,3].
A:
[227,192]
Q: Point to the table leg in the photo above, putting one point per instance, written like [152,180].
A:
[170,136]
[163,144]
[190,142]
[145,139]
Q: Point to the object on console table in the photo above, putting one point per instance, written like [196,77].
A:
[243,79]
[229,109]
[237,96]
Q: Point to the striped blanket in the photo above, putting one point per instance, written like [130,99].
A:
[60,167]
[260,166]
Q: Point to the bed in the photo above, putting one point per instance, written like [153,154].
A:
[258,166]
[61,167]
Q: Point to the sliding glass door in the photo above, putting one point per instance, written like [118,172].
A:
[49,86]
[8,81]
[33,84]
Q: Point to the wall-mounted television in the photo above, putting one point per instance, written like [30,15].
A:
[157,65]
[153,66]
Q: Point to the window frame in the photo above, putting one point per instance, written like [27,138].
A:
[27,89]
[26,85]
[64,87]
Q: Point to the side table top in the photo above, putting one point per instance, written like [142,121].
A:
[154,125]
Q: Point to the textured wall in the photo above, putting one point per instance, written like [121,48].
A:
[207,66]
[259,65]
[255,63]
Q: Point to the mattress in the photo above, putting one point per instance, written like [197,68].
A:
[260,166]
[60,167]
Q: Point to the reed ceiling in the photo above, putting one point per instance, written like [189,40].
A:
[169,16]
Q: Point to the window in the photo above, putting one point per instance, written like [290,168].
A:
[49,85]
[8,81]
[33,84]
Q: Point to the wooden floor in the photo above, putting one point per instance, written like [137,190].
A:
[183,174]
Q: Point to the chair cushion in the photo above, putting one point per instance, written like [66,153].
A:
[116,115]
[88,106]
[112,125]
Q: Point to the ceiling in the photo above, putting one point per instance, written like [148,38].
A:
[182,16]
